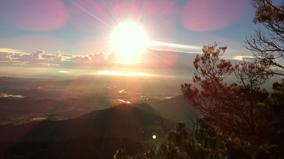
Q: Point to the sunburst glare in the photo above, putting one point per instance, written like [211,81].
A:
[129,40]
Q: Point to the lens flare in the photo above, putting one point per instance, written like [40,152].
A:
[208,15]
[33,15]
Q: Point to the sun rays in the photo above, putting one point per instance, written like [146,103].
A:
[129,39]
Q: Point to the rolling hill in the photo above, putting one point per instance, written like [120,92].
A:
[123,120]
[97,134]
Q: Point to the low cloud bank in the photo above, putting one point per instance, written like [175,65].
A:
[9,57]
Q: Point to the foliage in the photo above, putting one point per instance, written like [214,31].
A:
[269,50]
[121,154]
[275,100]
[276,125]
[239,112]
[180,143]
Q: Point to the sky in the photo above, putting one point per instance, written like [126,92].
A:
[60,33]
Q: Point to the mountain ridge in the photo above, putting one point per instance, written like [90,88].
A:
[124,120]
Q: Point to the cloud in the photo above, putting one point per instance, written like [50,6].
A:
[88,61]
[38,57]
[80,59]
[47,56]
[56,58]
[38,54]
[9,50]
[15,57]
[150,59]
[67,55]
[8,54]
[90,58]
[5,57]
[99,58]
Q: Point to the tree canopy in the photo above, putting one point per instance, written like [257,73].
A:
[268,49]
[241,112]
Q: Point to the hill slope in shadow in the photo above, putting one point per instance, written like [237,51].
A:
[122,121]
[175,108]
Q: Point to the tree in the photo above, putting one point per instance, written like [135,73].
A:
[269,50]
[236,111]
[275,99]
[276,125]
[200,143]
[121,154]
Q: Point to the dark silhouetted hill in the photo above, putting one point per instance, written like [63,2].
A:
[86,147]
[123,121]
[95,135]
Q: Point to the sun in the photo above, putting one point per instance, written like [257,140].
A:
[129,39]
